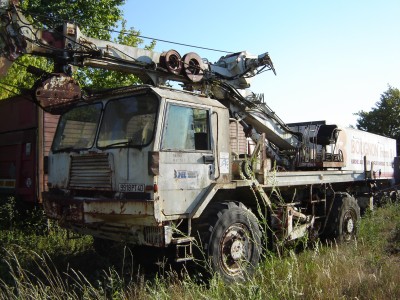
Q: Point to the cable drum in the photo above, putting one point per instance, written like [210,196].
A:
[193,67]
[171,60]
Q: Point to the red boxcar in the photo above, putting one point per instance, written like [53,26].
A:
[26,134]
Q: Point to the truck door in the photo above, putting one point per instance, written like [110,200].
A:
[186,157]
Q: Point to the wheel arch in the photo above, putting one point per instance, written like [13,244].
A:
[224,192]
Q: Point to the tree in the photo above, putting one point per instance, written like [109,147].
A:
[384,118]
[95,18]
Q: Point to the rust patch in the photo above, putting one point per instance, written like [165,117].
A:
[57,92]
[63,209]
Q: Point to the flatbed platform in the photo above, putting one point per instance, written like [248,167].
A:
[297,178]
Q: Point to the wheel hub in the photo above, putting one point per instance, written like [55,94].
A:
[350,225]
[237,249]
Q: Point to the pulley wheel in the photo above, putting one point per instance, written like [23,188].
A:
[171,60]
[193,67]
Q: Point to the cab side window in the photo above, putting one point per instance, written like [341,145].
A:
[186,128]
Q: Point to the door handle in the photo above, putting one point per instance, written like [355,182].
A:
[208,159]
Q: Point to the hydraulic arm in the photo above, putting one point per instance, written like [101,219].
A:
[226,80]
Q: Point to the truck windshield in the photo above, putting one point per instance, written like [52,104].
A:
[128,122]
[77,128]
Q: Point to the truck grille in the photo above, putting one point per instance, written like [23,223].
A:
[89,172]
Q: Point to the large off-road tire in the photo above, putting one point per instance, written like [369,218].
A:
[232,240]
[395,196]
[344,218]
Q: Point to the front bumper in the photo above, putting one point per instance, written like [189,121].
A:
[132,221]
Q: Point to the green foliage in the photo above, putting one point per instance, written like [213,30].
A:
[69,269]
[18,78]
[95,18]
[15,215]
[379,226]
[7,213]
[24,228]
[384,118]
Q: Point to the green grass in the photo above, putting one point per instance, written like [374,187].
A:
[45,264]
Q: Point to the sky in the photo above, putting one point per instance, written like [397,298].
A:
[332,58]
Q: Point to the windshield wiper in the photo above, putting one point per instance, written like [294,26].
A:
[68,149]
[127,143]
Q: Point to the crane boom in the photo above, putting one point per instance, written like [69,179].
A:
[70,46]
[226,80]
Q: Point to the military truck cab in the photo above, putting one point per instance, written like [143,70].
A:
[127,162]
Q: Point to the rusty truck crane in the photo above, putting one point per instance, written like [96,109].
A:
[156,166]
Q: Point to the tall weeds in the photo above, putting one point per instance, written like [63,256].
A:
[366,269]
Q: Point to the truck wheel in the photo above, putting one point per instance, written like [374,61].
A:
[394,196]
[344,217]
[232,241]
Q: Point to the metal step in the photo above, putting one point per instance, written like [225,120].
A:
[184,248]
